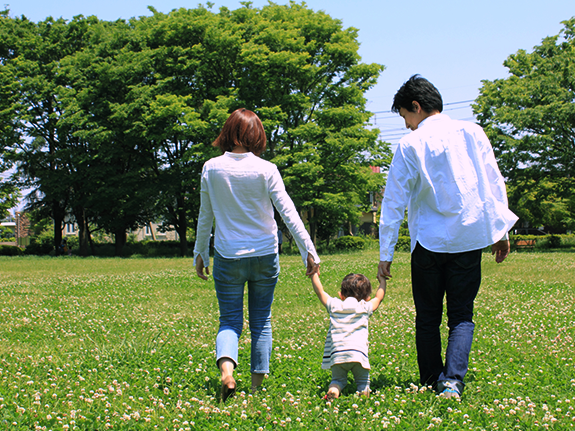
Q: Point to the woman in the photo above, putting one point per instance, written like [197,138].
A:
[239,190]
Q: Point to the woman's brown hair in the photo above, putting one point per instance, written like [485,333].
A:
[243,128]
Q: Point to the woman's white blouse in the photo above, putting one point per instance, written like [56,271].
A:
[239,191]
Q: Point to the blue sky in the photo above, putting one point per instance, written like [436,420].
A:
[453,43]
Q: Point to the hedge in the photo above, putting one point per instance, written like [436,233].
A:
[10,250]
[349,243]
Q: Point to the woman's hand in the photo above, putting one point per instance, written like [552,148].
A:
[312,267]
[200,268]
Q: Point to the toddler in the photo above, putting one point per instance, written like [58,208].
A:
[346,343]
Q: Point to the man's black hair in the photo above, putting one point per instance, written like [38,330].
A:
[420,90]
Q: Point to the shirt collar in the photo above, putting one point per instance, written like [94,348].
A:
[433,119]
[238,156]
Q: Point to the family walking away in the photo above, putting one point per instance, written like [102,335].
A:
[346,344]
[240,190]
[445,173]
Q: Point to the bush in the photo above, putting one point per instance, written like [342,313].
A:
[6,233]
[554,241]
[544,242]
[41,244]
[349,243]
[10,250]
[403,243]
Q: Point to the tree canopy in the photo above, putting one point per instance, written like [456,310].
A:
[530,119]
[110,123]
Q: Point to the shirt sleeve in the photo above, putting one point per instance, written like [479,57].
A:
[496,180]
[400,180]
[496,183]
[290,216]
[205,223]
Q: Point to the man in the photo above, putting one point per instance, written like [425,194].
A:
[446,175]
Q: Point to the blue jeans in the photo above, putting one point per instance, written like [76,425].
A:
[230,276]
[456,276]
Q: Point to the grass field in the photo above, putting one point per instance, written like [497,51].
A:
[128,344]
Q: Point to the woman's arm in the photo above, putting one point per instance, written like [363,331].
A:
[291,218]
[204,228]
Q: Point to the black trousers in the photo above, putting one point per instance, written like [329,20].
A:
[457,277]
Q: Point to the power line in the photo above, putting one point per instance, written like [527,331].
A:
[445,104]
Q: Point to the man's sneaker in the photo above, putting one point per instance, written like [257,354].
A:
[449,388]
[449,393]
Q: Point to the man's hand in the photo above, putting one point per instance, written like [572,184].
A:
[500,250]
[384,270]
[312,267]
[200,268]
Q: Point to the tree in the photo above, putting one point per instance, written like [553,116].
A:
[118,191]
[111,122]
[185,101]
[9,193]
[30,75]
[530,120]
[301,72]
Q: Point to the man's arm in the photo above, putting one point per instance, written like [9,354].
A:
[501,250]
[318,289]
[401,180]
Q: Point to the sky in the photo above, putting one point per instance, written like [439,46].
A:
[453,43]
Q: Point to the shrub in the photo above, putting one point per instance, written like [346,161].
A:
[6,233]
[403,243]
[10,250]
[41,244]
[349,243]
[554,241]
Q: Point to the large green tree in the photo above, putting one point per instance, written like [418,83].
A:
[301,72]
[530,120]
[112,121]
[184,101]
[118,192]
[32,79]
[8,191]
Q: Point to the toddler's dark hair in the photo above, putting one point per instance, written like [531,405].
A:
[357,286]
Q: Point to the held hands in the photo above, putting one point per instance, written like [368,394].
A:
[383,270]
[312,267]
[500,250]
[200,268]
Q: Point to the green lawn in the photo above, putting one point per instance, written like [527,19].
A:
[96,344]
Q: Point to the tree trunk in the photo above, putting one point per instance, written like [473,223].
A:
[90,240]
[182,230]
[83,232]
[120,241]
[58,217]
[312,225]
[152,232]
